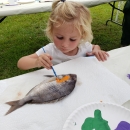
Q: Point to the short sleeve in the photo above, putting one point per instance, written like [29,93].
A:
[48,49]
[88,47]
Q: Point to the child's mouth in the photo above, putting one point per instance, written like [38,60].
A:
[64,49]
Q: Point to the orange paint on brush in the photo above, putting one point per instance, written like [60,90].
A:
[63,79]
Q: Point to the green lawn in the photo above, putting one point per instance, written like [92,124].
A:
[24,34]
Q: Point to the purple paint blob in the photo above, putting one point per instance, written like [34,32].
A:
[128,75]
[123,125]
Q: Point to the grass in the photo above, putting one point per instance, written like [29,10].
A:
[24,34]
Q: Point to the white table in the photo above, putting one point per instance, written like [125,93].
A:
[119,63]
[97,81]
[42,7]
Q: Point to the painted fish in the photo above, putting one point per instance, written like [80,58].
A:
[47,91]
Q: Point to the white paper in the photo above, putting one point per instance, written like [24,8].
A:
[3,86]
[95,83]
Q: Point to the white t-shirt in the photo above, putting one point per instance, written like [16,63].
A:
[59,57]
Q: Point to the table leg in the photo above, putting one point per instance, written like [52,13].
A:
[1,19]
[113,8]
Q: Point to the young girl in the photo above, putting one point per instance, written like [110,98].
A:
[69,29]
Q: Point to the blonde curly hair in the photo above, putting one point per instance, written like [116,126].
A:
[69,11]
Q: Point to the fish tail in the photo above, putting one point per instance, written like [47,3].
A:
[14,105]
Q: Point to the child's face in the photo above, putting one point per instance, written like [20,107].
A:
[66,38]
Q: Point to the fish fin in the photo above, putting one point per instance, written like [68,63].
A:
[49,75]
[14,105]
[44,81]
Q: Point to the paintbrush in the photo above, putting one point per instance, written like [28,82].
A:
[58,80]
[51,66]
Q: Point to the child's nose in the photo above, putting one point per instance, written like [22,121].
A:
[65,43]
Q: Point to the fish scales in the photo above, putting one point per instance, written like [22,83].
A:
[46,92]
[51,90]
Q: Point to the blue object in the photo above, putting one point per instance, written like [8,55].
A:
[51,66]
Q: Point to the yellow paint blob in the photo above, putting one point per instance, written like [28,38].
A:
[65,78]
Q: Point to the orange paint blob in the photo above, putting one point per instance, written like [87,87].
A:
[65,78]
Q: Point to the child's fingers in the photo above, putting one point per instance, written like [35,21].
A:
[103,55]
[48,56]
[45,64]
[98,56]
[107,54]
[45,61]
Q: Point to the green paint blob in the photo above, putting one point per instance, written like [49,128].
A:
[96,123]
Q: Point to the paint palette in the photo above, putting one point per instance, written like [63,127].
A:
[95,116]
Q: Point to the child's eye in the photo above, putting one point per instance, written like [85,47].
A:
[72,39]
[60,38]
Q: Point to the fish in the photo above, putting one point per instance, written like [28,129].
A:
[48,91]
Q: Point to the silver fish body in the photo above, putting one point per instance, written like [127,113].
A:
[46,92]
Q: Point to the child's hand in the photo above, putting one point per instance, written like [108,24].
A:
[44,60]
[100,54]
